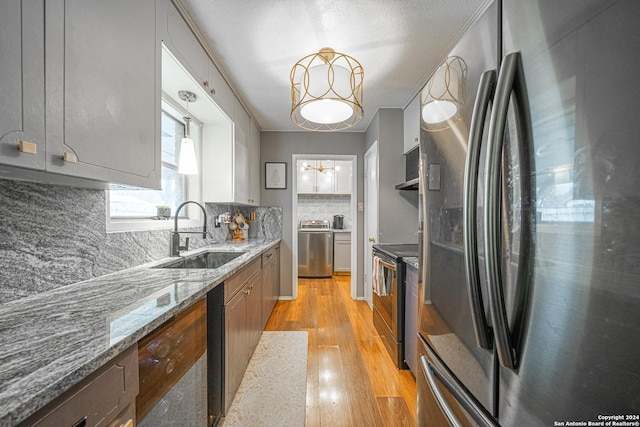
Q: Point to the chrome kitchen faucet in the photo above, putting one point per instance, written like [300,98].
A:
[175,236]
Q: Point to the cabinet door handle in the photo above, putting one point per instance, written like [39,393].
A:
[212,91]
[205,83]
[27,147]
[372,239]
[69,157]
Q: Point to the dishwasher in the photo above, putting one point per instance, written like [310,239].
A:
[315,248]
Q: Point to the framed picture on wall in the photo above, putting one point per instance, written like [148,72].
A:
[275,175]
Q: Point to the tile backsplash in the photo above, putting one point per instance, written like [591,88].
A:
[53,236]
[324,207]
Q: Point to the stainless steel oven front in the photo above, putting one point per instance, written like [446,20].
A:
[388,297]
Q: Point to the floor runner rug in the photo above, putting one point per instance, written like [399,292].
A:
[273,390]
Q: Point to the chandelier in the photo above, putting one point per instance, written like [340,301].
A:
[326,91]
[307,167]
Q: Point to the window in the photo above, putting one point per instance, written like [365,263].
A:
[139,209]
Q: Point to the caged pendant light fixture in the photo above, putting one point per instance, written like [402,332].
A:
[443,97]
[326,91]
[187,163]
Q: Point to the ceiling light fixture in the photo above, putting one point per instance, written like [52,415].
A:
[307,167]
[326,91]
[442,98]
[187,162]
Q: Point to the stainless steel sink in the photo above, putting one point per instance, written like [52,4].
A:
[209,259]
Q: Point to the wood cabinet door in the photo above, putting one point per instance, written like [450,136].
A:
[236,344]
[22,83]
[254,312]
[103,86]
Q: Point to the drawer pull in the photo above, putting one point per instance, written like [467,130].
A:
[171,365]
[81,423]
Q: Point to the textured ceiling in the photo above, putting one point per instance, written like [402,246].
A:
[398,43]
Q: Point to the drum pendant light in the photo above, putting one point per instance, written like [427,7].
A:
[326,91]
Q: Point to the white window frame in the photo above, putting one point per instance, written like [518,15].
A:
[193,213]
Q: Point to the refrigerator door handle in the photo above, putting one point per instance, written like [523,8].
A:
[510,81]
[484,96]
[437,393]
[433,373]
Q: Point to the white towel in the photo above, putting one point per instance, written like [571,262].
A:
[374,282]
[379,282]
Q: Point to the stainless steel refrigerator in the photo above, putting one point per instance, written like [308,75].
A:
[530,219]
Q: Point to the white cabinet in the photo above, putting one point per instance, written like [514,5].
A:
[103,90]
[22,83]
[306,179]
[411,118]
[312,181]
[344,177]
[326,181]
[230,163]
[341,252]
[241,126]
[335,180]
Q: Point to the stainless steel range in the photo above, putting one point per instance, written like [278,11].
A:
[315,248]
[389,296]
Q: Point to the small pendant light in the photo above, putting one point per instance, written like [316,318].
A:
[187,162]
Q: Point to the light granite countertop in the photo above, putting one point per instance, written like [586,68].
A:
[52,340]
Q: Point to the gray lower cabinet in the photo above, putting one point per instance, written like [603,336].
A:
[104,398]
[88,83]
[270,282]
[242,326]
[341,253]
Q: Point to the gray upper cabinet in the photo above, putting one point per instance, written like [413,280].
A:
[22,119]
[411,118]
[190,53]
[254,165]
[80,92]
[103,90]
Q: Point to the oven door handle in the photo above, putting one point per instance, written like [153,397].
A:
[387,265]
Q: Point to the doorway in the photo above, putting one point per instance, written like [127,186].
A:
[351,214]
[370,216]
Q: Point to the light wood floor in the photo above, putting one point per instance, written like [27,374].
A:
[351,380]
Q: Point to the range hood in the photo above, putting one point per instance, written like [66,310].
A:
[408,185]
